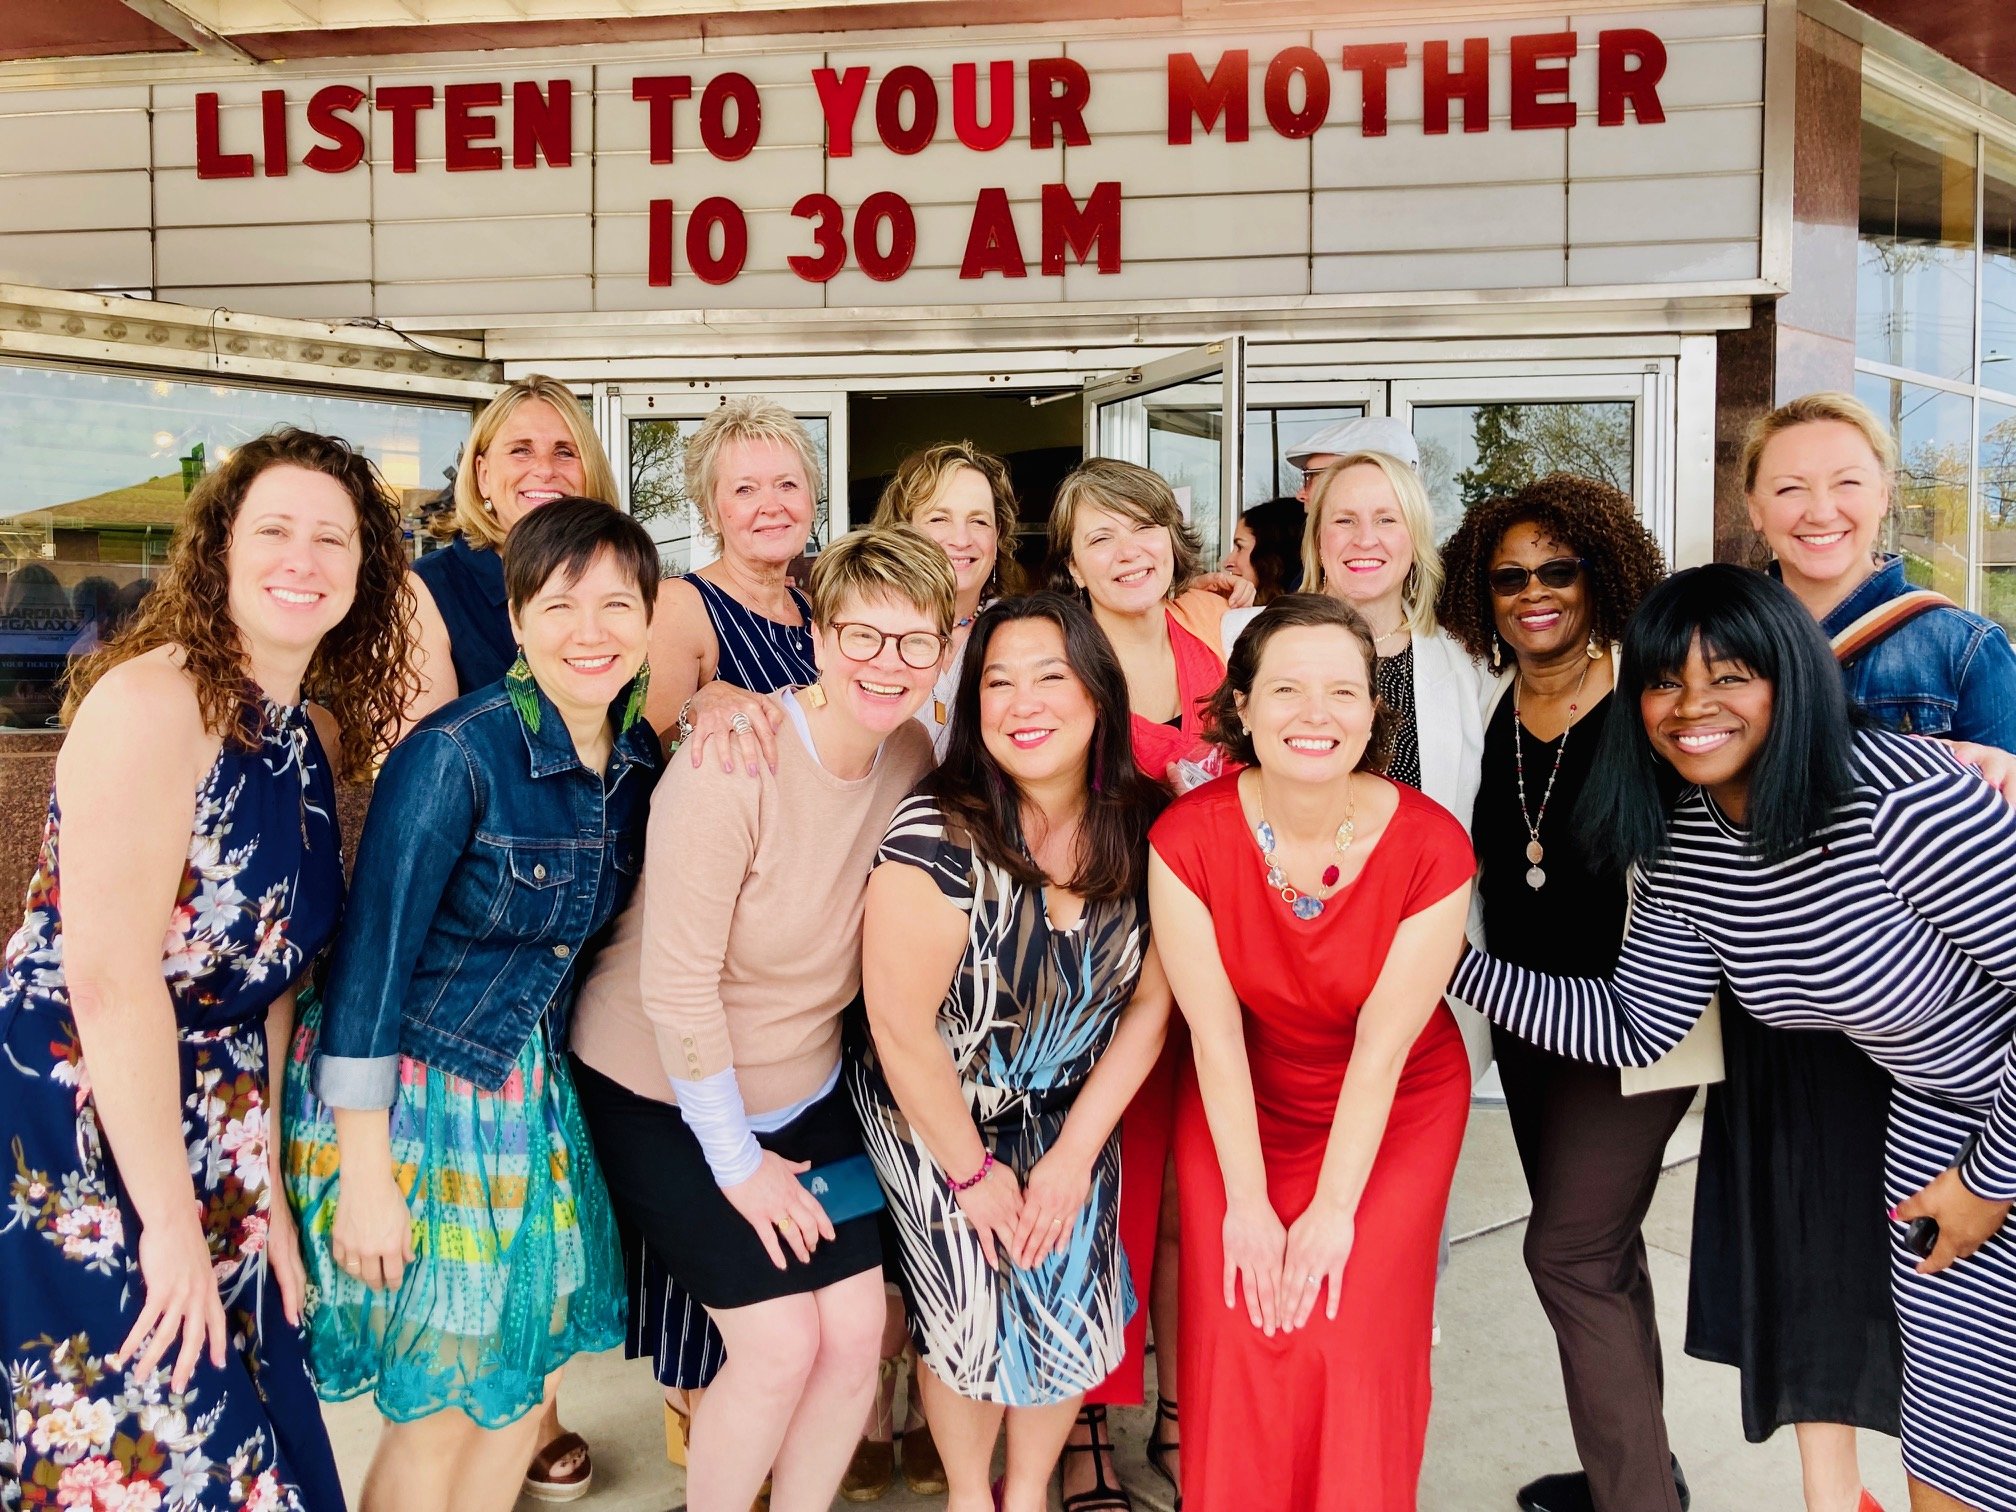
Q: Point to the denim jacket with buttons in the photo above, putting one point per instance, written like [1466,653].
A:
[491,857]
[1945,672]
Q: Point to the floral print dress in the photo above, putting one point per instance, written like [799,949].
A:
[259,898]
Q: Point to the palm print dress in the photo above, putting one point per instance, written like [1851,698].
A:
[1027,1015]
[259,897]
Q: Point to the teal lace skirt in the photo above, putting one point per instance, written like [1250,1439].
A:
[516,1263]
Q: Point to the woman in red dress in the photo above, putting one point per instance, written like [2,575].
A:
[1309,912]
[1118,536]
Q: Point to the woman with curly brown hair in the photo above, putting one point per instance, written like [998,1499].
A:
[1541,583]
[150,1324]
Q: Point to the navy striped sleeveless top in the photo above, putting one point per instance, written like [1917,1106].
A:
[757,653]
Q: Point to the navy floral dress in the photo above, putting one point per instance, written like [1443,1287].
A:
[259,898]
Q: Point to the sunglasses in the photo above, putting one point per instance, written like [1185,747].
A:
[919,649]
[1507,582]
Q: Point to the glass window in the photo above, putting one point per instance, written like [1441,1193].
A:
[99,467]
[1186,447]
[1269,433]
[658,488]
[1998,512]
[1914,295]
[1928,499]
[1471,452]
[1998,269]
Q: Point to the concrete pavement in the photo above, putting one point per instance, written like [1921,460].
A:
[1498,1419]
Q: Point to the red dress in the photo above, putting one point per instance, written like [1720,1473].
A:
[1145,1131]
[1333,1415]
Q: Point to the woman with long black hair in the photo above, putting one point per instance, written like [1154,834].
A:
[1839,878]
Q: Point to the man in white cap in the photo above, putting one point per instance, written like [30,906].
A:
[1363,433]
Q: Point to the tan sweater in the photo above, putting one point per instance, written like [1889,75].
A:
[742,944]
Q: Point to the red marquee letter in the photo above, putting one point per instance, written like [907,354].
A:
[700,256]
[273,118]
[1471,84]
[1530,81]
[1058,90]
[542,123]
[992,245]
[840,101]
[1190,94]
[342,145]
[1283,117]
[661,93]
[1097,226]
[829,235]
[1373,59]
[404,102]
[211,161]
[912,81]
[723,90]
[885,205]
[658,256]
[966,104]
[1618,84]
[472,145]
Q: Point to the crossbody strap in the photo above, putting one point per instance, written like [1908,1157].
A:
[1855,638]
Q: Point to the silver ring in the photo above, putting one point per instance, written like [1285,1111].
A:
[1313,1281]
[1056,1223]
[739,723]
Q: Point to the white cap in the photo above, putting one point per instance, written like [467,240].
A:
[1365,433]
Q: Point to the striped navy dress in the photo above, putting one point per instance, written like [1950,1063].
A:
[761,655]
[1896,924]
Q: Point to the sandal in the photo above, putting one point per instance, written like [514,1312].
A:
[677,1424]
[544,1483]
[1101,1497]
[873,1467]
[1160,1448]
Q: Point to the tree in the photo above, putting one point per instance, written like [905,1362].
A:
[657,469]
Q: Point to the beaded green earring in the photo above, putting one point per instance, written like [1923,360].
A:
[524,692]
[634,709]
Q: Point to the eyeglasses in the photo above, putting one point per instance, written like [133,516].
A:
[1557,573]
[920,649]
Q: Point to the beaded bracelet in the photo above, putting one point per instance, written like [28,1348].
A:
[986,1165]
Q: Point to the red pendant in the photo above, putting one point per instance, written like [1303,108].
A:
[1330,876]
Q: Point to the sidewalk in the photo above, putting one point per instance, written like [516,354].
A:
[1498,1417]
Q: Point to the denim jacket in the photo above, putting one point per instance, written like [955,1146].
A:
[491,856]
[1946,672]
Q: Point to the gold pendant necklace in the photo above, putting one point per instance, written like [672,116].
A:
[1536,876]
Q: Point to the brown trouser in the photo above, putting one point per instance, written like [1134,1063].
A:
[1592,1159]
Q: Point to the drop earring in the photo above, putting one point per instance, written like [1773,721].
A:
[815,696]
[1497,652]
[1595,649]
[639,686]
[524,691]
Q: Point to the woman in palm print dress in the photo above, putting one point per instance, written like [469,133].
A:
[1015,1006]
[190,871]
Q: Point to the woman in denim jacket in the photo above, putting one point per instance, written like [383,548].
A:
[1791,1254]
[459,1235]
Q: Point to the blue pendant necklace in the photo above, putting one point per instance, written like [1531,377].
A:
[1303,905]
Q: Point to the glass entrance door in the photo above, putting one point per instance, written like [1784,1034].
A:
[1182,417]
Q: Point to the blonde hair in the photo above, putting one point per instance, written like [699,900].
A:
[1424,578]
[920,476]
[1812,409]
[747,418]
[891,561]
[1134,493]
[473,518]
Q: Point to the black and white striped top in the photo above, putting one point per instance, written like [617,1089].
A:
[1896,924]
[758,654]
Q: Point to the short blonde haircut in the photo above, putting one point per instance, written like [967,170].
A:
[920,476]
[1134,493]
[1812,409]
[884,561]
[747,418]
[1424,578]
[473,520]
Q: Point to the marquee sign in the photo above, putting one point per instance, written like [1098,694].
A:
[1044,106]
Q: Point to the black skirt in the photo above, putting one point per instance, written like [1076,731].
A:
[660,1184]
[1790,1272]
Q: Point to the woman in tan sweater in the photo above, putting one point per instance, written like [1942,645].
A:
[708,1035]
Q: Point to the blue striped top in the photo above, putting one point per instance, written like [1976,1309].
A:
[757,653]
[1893,924]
